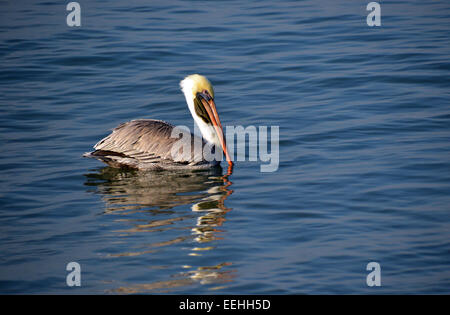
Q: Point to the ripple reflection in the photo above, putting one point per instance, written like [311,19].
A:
[156,202]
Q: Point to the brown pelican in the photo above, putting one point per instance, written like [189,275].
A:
[147,143]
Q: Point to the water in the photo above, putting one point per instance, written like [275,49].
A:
[364,174]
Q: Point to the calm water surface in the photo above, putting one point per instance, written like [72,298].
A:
[364,175]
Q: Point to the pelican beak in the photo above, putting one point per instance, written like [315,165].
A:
[210,106]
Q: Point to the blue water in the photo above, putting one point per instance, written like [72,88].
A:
[364,174]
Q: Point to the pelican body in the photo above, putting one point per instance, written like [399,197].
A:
[147,143]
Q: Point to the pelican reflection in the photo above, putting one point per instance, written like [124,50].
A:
[183,212]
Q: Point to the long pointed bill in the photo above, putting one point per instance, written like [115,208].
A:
[210,107]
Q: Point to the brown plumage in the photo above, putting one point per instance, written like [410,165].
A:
[147,144]
[154,144]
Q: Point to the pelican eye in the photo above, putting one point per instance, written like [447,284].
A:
[205,95]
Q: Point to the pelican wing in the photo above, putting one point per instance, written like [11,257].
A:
[140,144]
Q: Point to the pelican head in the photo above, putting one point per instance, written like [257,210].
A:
[199,94]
